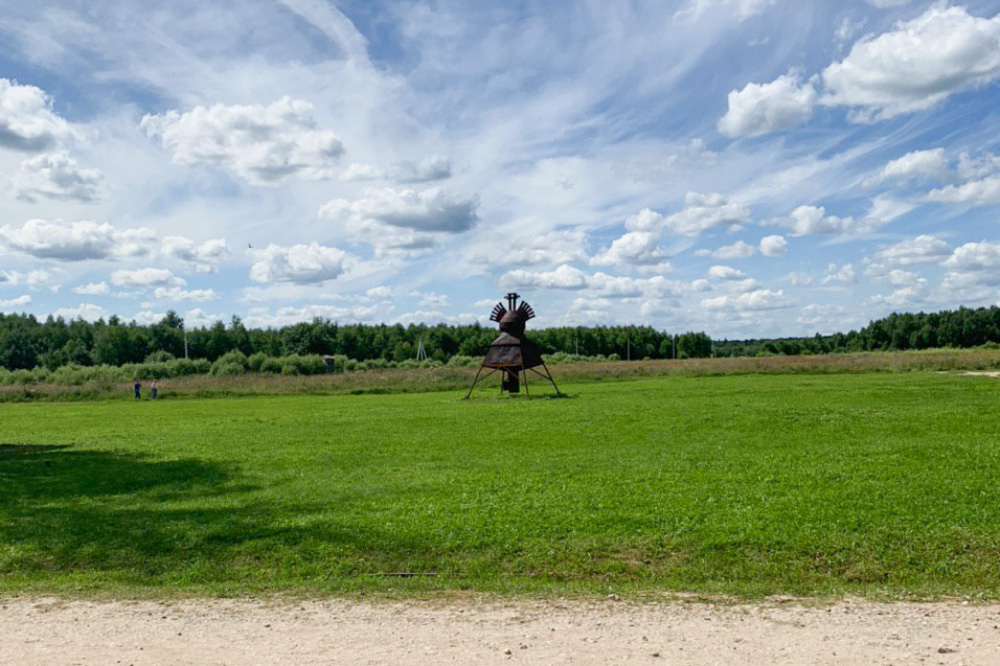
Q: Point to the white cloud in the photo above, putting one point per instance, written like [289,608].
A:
[433,301]
[85,311]
[974,168]
[298,264]
[357,171]
[380,293]
[564,277]
[822,316]
[198,318]
[761,299]
[924,249]
[178,294]
[760,109]
[205,257]
[430,210]
[57,176]
[917,65]
[974,193]
[32,279]
[973,272]
[145,278]
[900,298]
[77,241]
[554,247]
[701,212]
[260,144]
[840,274]
[635,248]
[27,122]
[431,168]
[921,164]
[806,220]
[738,250]
[264,318]
[92,289]
[15,302]
[773,246]
[725,273]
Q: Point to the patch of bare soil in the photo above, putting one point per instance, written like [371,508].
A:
[45,631]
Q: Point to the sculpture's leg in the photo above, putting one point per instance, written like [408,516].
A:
[479,372]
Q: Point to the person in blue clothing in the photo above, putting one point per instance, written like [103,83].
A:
[152,390]
[137,388]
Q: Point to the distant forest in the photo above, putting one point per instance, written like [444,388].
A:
[27,343]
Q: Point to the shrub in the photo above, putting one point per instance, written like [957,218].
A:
[230,364]
[159,356]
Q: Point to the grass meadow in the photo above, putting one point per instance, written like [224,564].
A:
[875,484]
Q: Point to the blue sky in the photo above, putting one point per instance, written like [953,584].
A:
[748,168]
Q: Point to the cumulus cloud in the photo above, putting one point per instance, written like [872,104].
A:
[298,264]
[31,279]
[357,171]
[983,192]
[205,258]
[554,247]
[924,249]
[738,250]
[807,220]
[433,301]
[760,109]
[885,4]
[264,318]
[564,277]
[58,177]
[430,210]
[917,65]
[260,144]
[900,298]
[177,294]
[701,212]
[725,273]
[15,302]
[92,289]
[760,299]
[77,241]
[773,246]
[145,278]
[431,168]
[86,311]
[635,248]
[840,274]
[979,259]
[919,164]
[380,293]
[27,123]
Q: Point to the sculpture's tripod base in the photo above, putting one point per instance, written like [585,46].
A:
[512,378]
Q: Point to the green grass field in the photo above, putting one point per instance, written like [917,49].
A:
[871,484]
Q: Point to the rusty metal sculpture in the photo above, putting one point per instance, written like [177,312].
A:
[511,354]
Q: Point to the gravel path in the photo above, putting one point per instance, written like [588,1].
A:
[46,631]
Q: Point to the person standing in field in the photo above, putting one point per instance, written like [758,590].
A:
[137,388]
[152,390]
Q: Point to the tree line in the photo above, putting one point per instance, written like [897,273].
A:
[961,328]
[27,343]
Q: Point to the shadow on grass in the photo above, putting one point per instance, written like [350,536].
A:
[117,518]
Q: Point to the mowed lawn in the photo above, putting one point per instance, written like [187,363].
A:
[876,484]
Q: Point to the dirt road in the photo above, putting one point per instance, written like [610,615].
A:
[46,631]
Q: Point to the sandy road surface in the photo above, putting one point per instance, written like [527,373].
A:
[45,631]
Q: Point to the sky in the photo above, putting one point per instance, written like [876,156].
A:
[747,168]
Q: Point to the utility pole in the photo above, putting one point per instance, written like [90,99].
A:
[421,352]
[628,349]
[675,346]
[184,328]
